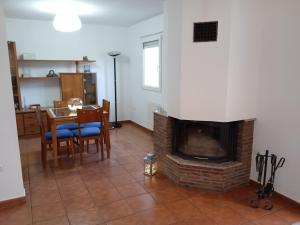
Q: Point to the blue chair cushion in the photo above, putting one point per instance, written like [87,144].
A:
[69,126]
[87,132]
[64,133]
[91,124]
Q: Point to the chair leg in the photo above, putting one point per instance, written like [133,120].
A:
[97,144]
[102,148]
[87,146]
[68,148]
[72,149]
[105,137]
[81,148]
[44,154]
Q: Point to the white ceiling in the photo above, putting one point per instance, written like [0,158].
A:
[102,12]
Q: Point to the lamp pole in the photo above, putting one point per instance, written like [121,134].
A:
[114,54]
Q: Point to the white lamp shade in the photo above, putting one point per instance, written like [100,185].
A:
[67,22]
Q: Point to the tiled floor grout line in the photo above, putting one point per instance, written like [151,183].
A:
[29,186]
[61,199]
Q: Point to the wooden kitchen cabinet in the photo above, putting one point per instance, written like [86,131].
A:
[27,124]
[79,85]
[71,85]
[20,124]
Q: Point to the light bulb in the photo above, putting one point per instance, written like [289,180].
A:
[67,22]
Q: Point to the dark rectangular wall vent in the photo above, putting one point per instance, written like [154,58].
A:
[206,31]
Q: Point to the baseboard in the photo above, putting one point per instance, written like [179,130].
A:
[291,201]
[148,131]
[12,202]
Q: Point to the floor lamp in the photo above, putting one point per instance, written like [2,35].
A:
[114,54]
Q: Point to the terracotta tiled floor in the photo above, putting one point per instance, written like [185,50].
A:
[115,192]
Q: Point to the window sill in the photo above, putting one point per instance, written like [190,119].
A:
[147,88]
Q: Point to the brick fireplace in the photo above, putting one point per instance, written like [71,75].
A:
[204,174]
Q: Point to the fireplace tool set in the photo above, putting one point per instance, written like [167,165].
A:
[265,189]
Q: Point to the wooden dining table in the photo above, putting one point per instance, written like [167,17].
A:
[65,115]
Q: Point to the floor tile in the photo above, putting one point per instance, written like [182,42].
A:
[290,214]
[85,217]
[122,179]
[73,204]
[271,219]
[132,189]
[115,210]
[19,215]
[56,221]
[183,210]
[44,197]
[47,212]
[156,216]
[129,220]
[105,196]
[141,202]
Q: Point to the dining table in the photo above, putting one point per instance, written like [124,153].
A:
[58,116]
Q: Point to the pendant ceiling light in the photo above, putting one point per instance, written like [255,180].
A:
[67,22]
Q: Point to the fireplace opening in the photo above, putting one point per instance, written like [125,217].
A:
[206,141]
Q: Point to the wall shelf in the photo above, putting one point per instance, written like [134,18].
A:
[77,62]
[39,78]
[56,60]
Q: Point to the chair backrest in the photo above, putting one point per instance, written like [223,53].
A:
[89,115]
[35,106]
[38,115]
[60,104]
[106,105]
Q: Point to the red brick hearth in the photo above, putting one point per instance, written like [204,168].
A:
[205,175]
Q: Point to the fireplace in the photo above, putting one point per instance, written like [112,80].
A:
[225,147]
[206,141]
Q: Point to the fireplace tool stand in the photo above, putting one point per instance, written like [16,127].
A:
[265,190]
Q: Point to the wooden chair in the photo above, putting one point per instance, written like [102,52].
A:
[106,108]
[106,105]
[60,104]
[83,134]
[35,107]
[63,135]
[64,104]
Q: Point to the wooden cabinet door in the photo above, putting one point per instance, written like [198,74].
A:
[90,88]
[30,124]
[71,86]
[20,124]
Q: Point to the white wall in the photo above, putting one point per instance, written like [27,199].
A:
[142,101]
[93,41]
[244,59]
[277,127]
[209,78]
[204,64]
[10,166]
[172,49]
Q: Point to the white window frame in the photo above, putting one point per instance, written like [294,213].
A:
[156,37]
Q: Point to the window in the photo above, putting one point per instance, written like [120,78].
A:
[152,67]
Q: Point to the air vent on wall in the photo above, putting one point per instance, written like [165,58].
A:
[206,31]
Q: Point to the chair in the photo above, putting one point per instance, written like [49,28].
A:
[63,135]
[83,134]
[34,107]
[60,104]
[106,108]
[64,104]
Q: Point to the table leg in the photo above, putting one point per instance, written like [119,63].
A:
[54,143]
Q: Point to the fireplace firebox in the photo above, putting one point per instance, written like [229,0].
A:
[206,141]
